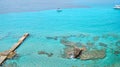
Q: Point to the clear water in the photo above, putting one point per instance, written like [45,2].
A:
[74,21]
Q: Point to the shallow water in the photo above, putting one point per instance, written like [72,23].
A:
[96,25]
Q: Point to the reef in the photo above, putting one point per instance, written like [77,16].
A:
[72,52]
[110,35]
[79,44]
[54,38]
[11,64]
[103,44]
[45,53]
[66,36]
[113,35]
[91,43]
[93,54]
[118,43]
[67,42]
[116,52]
[96,38]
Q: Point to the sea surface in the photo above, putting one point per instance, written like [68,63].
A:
[98,25]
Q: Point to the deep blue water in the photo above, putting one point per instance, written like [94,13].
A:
[74,21]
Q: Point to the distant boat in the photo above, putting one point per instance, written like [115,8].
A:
[59,10]
[117,7]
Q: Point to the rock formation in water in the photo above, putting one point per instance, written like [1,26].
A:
[93,54]
[67,42]
[116,52]
[117,43]
[54,38]
[11,64]
[72,52]
[92,45]
[96,38]
[102,44]
[45,53]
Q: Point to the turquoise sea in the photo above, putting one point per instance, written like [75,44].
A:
[44,26]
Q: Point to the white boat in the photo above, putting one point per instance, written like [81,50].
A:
[117,7]
[59,10]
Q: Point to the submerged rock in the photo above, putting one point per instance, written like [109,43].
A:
[93,54]
[79,44]
[118,43]
[90,44]
[110,35]
[43,52]
[11,64]
[82,35]
[50,54]
[17,56]
[96,38]
[114,35]
[64,37]
[68,52]
[103,44]
[67,43]
[77,52]
[105,36]
[72,52]
[116,52]
[54,38]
